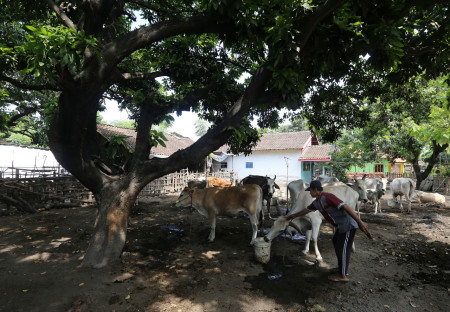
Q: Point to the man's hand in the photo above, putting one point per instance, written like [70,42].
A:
[363,226]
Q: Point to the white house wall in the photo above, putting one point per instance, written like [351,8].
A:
[267,163]
[25,157]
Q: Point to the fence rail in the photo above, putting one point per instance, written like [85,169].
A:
[31,172]
[29,193]
[175,182]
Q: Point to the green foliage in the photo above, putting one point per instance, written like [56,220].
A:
[201,127]
[436,126]
[156,138]
[117,149]
[348,153]
[243,139]
[128,124]
[46,48]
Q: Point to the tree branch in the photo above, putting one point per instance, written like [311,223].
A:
[141,76]
[322,12]
[60,13]
[159,9]
[21,85]
[123,46]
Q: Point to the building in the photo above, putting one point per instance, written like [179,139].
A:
[174,141]
[288,155]
[19,161]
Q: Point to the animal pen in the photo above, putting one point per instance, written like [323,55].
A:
[47,189]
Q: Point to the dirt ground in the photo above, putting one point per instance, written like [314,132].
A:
[167,265]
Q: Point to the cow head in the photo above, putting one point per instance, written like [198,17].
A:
[279,225]
[380,187]
[185,198]
[271,185]
[359,185]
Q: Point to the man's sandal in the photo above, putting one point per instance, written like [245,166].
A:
[336,278]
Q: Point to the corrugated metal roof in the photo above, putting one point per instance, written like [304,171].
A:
[174,142]
[316,152]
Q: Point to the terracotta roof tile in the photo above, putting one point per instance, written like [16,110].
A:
[317,152]
[283,141]
[174,142]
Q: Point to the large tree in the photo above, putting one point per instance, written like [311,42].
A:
[190,55]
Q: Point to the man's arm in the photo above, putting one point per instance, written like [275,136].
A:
[298,214]
[363,226]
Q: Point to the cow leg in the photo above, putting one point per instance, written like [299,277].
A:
[308,235]
[268,207]
[212,223]
[409,203]
[401,204]
[261,222]
[315,235]
[277,204]
[254,223]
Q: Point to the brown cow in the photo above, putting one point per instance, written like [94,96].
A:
[225,201]
[196,184]
[213,181]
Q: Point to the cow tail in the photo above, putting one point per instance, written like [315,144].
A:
[260,207]
[412,187]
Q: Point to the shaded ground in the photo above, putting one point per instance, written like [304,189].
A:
[168,266]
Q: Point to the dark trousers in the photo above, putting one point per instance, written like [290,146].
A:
[343,243]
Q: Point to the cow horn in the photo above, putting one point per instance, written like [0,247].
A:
[275,177]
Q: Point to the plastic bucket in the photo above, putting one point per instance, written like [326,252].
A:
[262,250]
[391,203]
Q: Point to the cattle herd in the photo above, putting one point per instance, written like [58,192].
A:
[218,197]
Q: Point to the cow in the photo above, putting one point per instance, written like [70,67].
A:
[225,201]
[426,197]
[196,184]
[372,184]
[294,188]
[375,196]
[213,181]
[311,222]
[268,186]
[326,179]
[375,189]
[403,187]
[359,185]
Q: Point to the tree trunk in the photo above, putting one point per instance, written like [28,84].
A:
[421,176]
[110,231]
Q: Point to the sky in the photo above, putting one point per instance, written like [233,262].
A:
[183,125]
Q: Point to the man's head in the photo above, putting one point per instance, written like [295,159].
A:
[315,187]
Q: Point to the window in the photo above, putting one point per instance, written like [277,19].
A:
[379,168]
[306,166]
[223,165]
[249,165]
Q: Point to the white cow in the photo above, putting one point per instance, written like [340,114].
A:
[375,188]
[372,184]
[375,196]
[359,185]
[225,201]
[403,187]
[310,223]
[293,189]
[327,179]
[425,197]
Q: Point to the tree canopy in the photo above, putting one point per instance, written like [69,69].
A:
[227,60]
